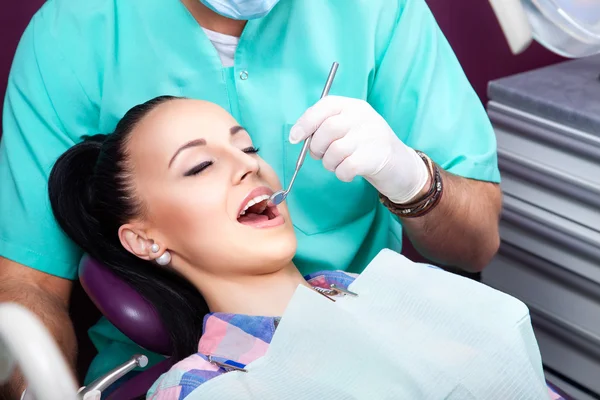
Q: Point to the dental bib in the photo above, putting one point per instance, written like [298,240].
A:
[413,332]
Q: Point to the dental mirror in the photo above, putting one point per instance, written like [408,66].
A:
[279,196]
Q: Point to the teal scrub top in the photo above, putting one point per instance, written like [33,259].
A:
[81,65]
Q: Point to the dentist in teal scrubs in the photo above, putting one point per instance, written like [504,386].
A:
[402,142]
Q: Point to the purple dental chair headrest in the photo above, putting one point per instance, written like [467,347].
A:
[123,306]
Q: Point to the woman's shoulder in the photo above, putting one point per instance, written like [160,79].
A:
[183,378]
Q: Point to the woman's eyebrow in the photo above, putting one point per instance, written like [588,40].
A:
[193,143]
[201,142]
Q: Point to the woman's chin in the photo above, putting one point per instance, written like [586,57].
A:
[281,250]
[274,252]
[243,248]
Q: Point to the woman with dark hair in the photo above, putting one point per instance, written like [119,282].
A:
[115,198]
[174,202]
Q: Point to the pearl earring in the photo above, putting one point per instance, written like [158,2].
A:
[155,248]
[164,259]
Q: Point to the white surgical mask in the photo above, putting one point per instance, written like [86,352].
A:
[241,9]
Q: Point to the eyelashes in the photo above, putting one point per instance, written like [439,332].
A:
[202,166]
[250,150]
[198,168]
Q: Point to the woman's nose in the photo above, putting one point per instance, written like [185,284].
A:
[246,166]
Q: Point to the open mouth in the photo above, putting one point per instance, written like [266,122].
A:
[257,213]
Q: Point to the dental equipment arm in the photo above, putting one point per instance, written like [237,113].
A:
[111,377]
[25,342]
[462,230]
[47,297]
[569,28]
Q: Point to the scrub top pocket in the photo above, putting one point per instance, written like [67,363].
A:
[319,201]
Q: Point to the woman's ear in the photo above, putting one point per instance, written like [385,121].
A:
[134,240]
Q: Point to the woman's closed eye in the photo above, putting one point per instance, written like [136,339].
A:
[198,168]
[202,166]
[251,150]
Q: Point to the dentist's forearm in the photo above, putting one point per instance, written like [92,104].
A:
[462,230]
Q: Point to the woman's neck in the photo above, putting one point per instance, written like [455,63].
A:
[213,21]
[262,295]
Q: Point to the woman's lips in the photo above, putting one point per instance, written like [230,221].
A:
[269,218]
[259,191]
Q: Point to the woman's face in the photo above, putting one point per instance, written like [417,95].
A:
[196,171]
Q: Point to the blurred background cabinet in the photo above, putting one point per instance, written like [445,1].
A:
[547,124]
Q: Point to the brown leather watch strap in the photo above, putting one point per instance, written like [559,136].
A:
[424,204]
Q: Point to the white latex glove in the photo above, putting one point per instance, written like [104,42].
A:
[353,139]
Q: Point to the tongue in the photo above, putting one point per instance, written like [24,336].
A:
[252,218]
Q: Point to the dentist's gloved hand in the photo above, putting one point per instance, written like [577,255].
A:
[353,140]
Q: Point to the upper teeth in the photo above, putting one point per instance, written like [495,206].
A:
[254,201]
